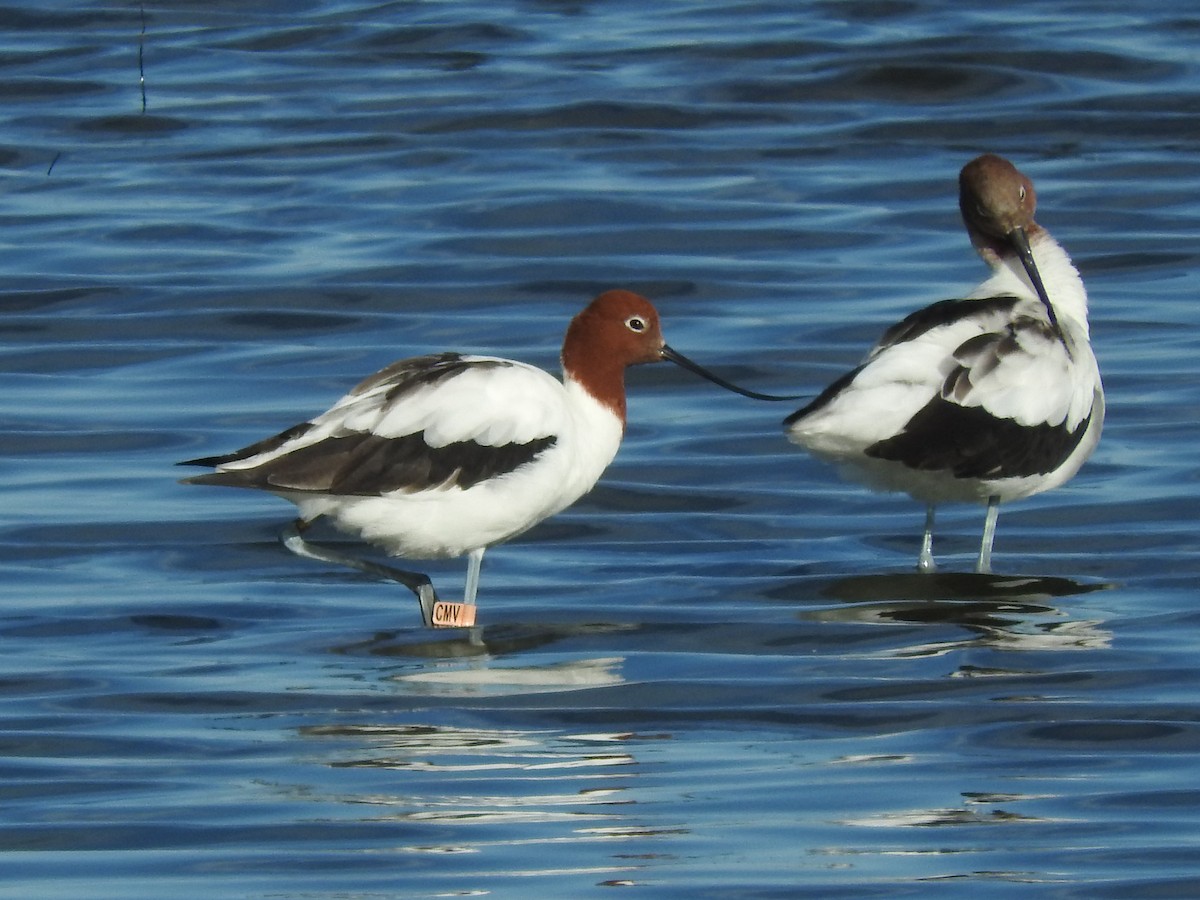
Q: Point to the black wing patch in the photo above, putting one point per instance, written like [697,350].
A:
[944,312]
[407,375]
[263,446]
[365,465]
[969,442]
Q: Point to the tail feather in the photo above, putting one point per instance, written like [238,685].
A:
[210,462]
[254,449]
[236,478]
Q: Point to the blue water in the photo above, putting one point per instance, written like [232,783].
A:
[712,677]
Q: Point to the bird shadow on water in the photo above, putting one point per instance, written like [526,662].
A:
[454,643]
[963,586]
[1014,612]
[492,661]
[494,657]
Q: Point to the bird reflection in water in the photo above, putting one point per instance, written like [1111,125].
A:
[1013,612]
[475,643]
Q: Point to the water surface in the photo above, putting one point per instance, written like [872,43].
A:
[714,676]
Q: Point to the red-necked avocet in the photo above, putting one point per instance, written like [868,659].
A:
[445,455]
[990,398]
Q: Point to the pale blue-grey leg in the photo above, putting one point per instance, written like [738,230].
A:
[984,565]
[474,561]
[925,561]
[416,582]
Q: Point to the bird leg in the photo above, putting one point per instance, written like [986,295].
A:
[474,561]
[925,562]
[416,582]
[984,565]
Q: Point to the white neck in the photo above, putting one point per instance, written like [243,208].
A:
[1059,275]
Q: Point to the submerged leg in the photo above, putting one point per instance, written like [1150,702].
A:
[925,561]
[474,561]
[984,565]
[416,582]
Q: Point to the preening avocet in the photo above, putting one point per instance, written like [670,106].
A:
[988,399]
[445,455]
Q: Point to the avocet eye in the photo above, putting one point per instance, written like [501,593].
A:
[1022,193]
[636,324]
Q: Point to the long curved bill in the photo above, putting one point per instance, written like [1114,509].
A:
[1021,242]
[680,360]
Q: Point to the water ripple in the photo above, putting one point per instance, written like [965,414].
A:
[715,674]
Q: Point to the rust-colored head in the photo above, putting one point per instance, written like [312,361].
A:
[998,203]
[995,199]
[616,330]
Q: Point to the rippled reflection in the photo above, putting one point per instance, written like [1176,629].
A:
[450,748]
[569,675]
[977,810]
[481,643]
[1000,611]
[481,788]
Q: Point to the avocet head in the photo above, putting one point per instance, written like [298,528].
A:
[998,203]
[617,329]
